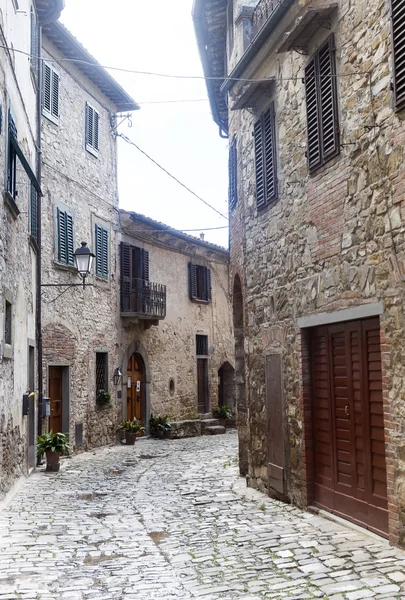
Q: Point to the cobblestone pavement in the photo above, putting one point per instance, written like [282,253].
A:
[172,520]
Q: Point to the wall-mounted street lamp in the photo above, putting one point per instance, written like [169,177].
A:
[83,261]
[117,377]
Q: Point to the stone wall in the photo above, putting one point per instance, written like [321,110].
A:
[333,240]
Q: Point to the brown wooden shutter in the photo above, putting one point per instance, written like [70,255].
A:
[328,100]
[275,425]
[398,38]
[125,276]
[270,154]
[313,124]
[259,165]
[209,286]
[192,280]
[233,175]
[145,264]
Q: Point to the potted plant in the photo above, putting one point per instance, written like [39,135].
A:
[222,413]
[53,445]
[103,399]
[131,429]
[159,426]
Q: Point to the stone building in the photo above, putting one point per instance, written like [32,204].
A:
[177,338]
[312,99]
[80,326]
[20,27]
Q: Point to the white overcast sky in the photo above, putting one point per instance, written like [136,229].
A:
[158,36]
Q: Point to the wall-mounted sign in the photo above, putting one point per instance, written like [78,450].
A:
[138,386]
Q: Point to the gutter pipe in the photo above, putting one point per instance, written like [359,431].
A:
[39,242]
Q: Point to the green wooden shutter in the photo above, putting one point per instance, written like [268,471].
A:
[55,95]
[96,118]
[47,90]
[105,257]
[101,251]
[62,244]
[33,212]
[70,240]
[192,281]
[89,125]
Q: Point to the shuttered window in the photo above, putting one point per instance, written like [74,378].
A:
[398,37]
[50,102]
[134,276]
[233,174]
[33,212]
[199,283]
[101,235]
[322,111]
[65,237]
[34,45]
[92,126]
[265,158]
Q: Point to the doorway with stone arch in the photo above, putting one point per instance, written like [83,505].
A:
[135,392]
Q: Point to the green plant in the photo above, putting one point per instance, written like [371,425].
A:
[159,424]
[131,426]
[103,398]
[52,442]
[222,412]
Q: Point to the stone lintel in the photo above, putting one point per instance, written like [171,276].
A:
[347,314]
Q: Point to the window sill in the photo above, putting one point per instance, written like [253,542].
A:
[63,267]
[11,204]
[92,151]
[199,301]
[52,118]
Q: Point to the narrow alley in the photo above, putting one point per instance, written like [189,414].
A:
[172,520]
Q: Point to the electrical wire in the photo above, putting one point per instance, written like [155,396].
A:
[176,229]
[126,139]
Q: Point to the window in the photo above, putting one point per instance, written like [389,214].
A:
[65,237]
[50,101]
[92,123]
[8,323]
[201,342]
[398,38]
[265,158]
[12,158]
[101,235]
[101,371]
[135,286]
[34,45]
[199,283]
[233,175]
[33,212]
[322,112]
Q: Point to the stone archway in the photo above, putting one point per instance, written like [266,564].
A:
[138,349]
[226,386]
[240,377]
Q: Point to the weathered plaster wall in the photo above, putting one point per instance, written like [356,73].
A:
[333,240]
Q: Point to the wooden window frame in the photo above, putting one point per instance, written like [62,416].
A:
[102,251]
[265,145]
[65,257]
[199,283]
[92,130]
[233,174]
[319,128]
[52,112]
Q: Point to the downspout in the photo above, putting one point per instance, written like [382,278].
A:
[39,241]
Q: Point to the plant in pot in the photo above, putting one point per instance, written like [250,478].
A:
[53,445]
[131,430]
[159,426]
[222,413]
[103,399]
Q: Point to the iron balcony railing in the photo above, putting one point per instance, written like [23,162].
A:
[262,12]
[143,298]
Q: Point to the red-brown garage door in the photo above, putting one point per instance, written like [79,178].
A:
[349,457]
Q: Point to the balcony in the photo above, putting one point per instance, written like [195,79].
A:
[143,300]
[263,12]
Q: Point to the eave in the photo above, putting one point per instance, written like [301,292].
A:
[49,10]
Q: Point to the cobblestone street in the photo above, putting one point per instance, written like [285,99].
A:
[172,520]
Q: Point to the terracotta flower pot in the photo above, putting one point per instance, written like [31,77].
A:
[130,438]
[52,461]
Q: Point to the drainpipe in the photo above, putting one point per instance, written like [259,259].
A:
[39,241]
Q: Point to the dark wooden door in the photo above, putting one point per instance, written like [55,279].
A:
[202,385]
[55,394]
[275,426]
[135,389]
[350,471]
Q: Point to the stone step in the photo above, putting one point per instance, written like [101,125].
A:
[208,423]
[215,430]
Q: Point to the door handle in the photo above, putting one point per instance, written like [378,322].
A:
[347,412]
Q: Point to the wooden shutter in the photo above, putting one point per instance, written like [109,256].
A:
[328,100]
[270,154]
[125,276]
[259,165]
[233,175]
[89,125]
[313,125]
[47,102]
[275,425]
[62,242]
[70,240]
[192,281]
[398,39]
[34,44]
[101,251]
[33,212]
[96,118]
[55,94]
[209,286]
[145,264]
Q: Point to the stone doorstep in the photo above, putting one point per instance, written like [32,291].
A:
[215,430]
[195,428]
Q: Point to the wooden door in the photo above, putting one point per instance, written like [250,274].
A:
[135,388]
[55,394]
[275,422]
[350,471]
[202,385]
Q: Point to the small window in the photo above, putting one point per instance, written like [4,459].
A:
[265,158]
[34,58]
[8,323]
[322,112]
[201,342]
[33,212]
[11,159]
[233,175]
[65,237]
[92,126]
[101,235]
[199,281]
[50,93]
[101,371]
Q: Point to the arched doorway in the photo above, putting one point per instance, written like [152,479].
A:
[240,388]
[136,388]
[226,386]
